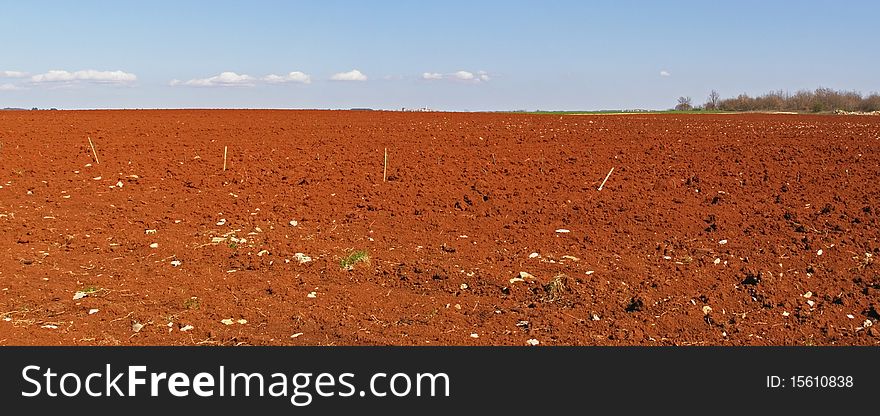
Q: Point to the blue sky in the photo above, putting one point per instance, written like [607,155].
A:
[449,55]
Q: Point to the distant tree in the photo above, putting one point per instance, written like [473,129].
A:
[820,100]
[713,101]
[684,104]
[870,103]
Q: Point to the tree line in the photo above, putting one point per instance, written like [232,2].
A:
[820,100]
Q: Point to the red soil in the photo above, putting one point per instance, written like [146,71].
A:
[468,199]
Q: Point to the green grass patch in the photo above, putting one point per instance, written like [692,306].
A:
[91,289]
[348,262]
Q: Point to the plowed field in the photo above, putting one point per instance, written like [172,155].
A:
[488,229]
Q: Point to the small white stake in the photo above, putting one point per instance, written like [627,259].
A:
[93,150]
[606,178]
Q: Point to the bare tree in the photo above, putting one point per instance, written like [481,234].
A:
[684,104]
[713,101]
[820,100]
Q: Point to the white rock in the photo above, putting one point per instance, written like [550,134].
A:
[296,335]
[717,261]
[222,221]
[97,178]
[707,309]
[49,326]
[176,263]
[301,258]
[722,242]
[475,335]
[293,223]
[850,316]
[808,295]
[517,279]
[242,321]
[589,272]
[811,303]
[533,342]
[785,314]
[187,328]
[93,311]
[533,255]
[79,295]
[262,252]
[868,323]
[137,327]
[148,232]
[463,286]
[312,295]
[562,230]
[227,321]
[119,184]
[154,245]
[819,253]
[525,275]
[596,317]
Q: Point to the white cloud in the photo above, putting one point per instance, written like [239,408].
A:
[665,73]
[353,75]
[88,75]
[9,87]
[224,79]
[294,76]
[465,76]
[13,74]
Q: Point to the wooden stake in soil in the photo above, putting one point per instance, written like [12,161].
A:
[224,158]
[385,169]
[606,178]
[93,150]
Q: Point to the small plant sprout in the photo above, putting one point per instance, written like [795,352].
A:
[360,256]
[86,291]
[557,288]
[192,303]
